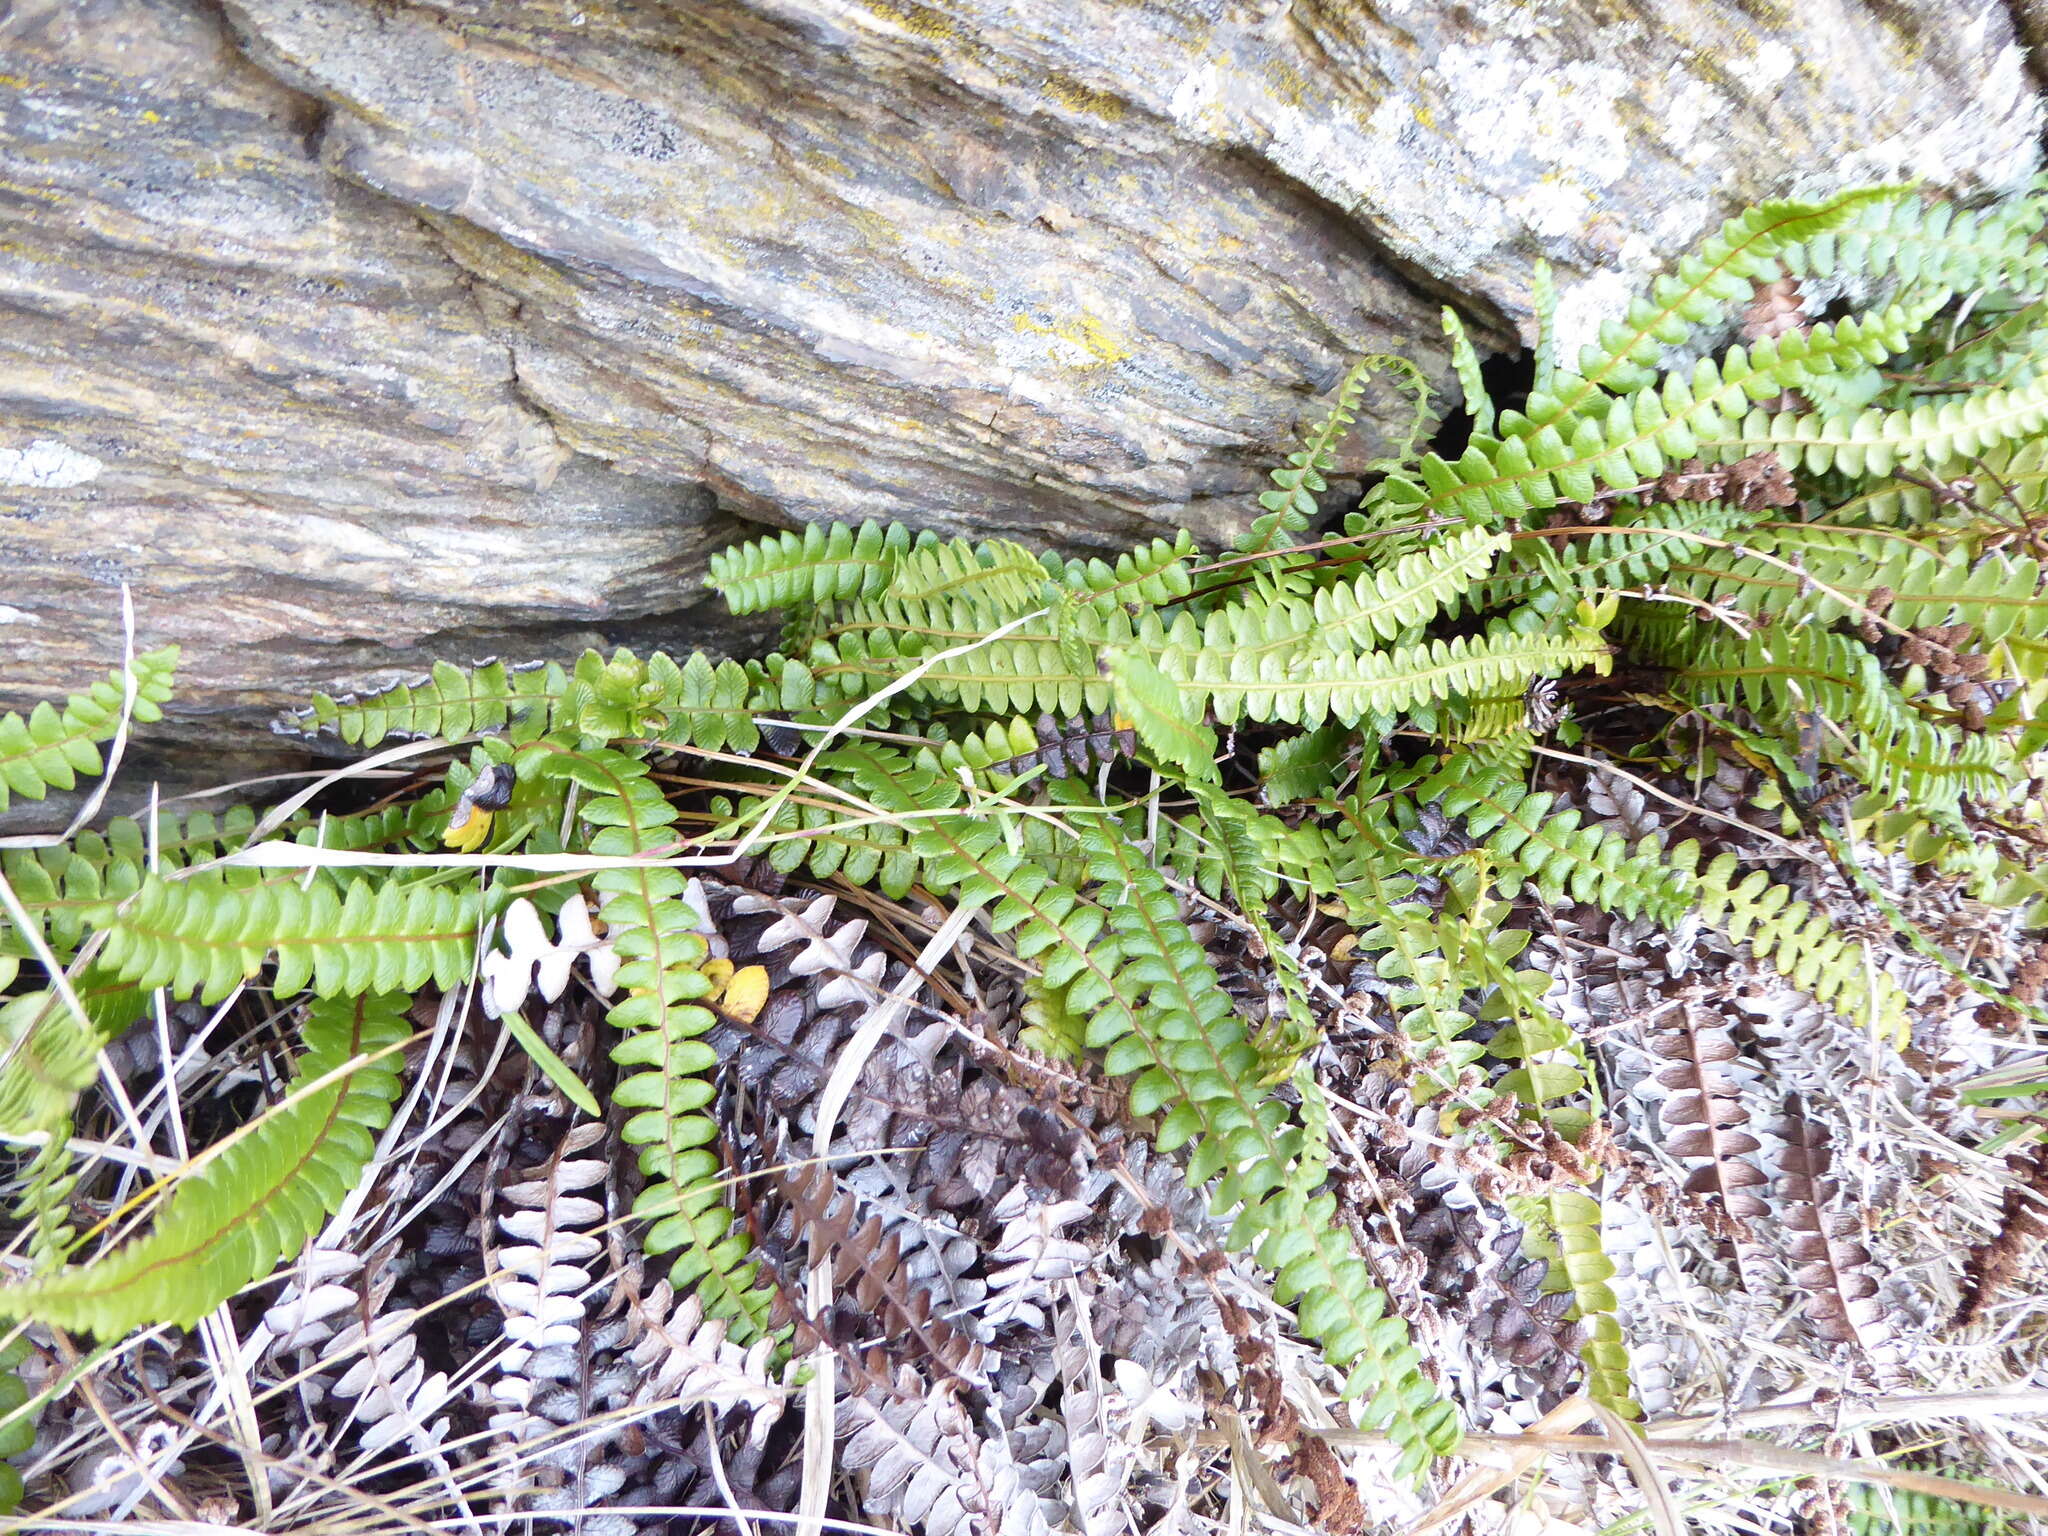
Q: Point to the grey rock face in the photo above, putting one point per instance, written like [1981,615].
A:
[352,333]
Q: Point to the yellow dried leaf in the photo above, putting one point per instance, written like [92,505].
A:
[718,972]
[746,994]
[471,832]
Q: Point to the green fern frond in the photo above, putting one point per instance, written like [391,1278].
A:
[1904,238]
[1156,573]
[1247,845]
[1465,362]
[1128,965]
[1278,659]
[1796,940]
[342,940]
[1561,859]
[1166,1018]
[1704,287]
[824,563]
[715,706]
[2008,478]
[1875,441]
[1639,546]
[1999,596]
[1291,505]
[1380,684]
[956,583]
[253,1203]
[2010,348]
[1303,766]
[61,886]
[1783,671]
[661,1019]
[1551,851]
[1532,465]
[1004,749]
[1409,948]
[828,840]
[49,1054]
[1563,1226]
[1878,1511]
[1159,710]
[50,748]
[450,702]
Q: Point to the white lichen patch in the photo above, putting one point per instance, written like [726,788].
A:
[1690,114]
[1774,60]
[1581,306]
[1987,140]
[47,464]
[1515,143]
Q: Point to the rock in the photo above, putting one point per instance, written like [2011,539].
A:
[352,333]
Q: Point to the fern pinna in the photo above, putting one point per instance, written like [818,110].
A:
[1818,551]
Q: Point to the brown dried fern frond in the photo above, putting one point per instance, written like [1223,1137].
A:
[2023,1222]
[882,1319]
[1703,1119]
[1831,1265]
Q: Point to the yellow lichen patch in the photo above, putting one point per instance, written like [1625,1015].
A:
[1083,331]
[746,994]
[1076,97]
[917,20]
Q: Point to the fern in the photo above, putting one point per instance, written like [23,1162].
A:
[1292,504]
[1903,238]
[824,563]
[1465,361]
[655,931]
[1254,661]
[63,885]
[1782,672]
[342,940]
[1837,573]
[1160,711]
[1300,733]
[50,748]
[1170,1022]
[1875,1511]
[1560,858]
[1153,1004]
[956,584]
[1533,465]
[1303,765]
[1876,441]
[1156,573]
[695,702]
[1705,286]
[451,701]
[1642,545]
[254,1201]
[1564,1227]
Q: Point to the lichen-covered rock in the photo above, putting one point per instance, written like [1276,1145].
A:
[350,331]
[266,398]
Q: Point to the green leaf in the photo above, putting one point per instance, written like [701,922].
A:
[1165,718]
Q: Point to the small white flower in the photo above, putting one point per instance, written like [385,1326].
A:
[529,962]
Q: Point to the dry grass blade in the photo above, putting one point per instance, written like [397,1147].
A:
[1657,1500]
[1482,1483]
[1527,1449]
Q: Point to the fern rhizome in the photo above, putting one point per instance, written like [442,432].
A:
[1342,756]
